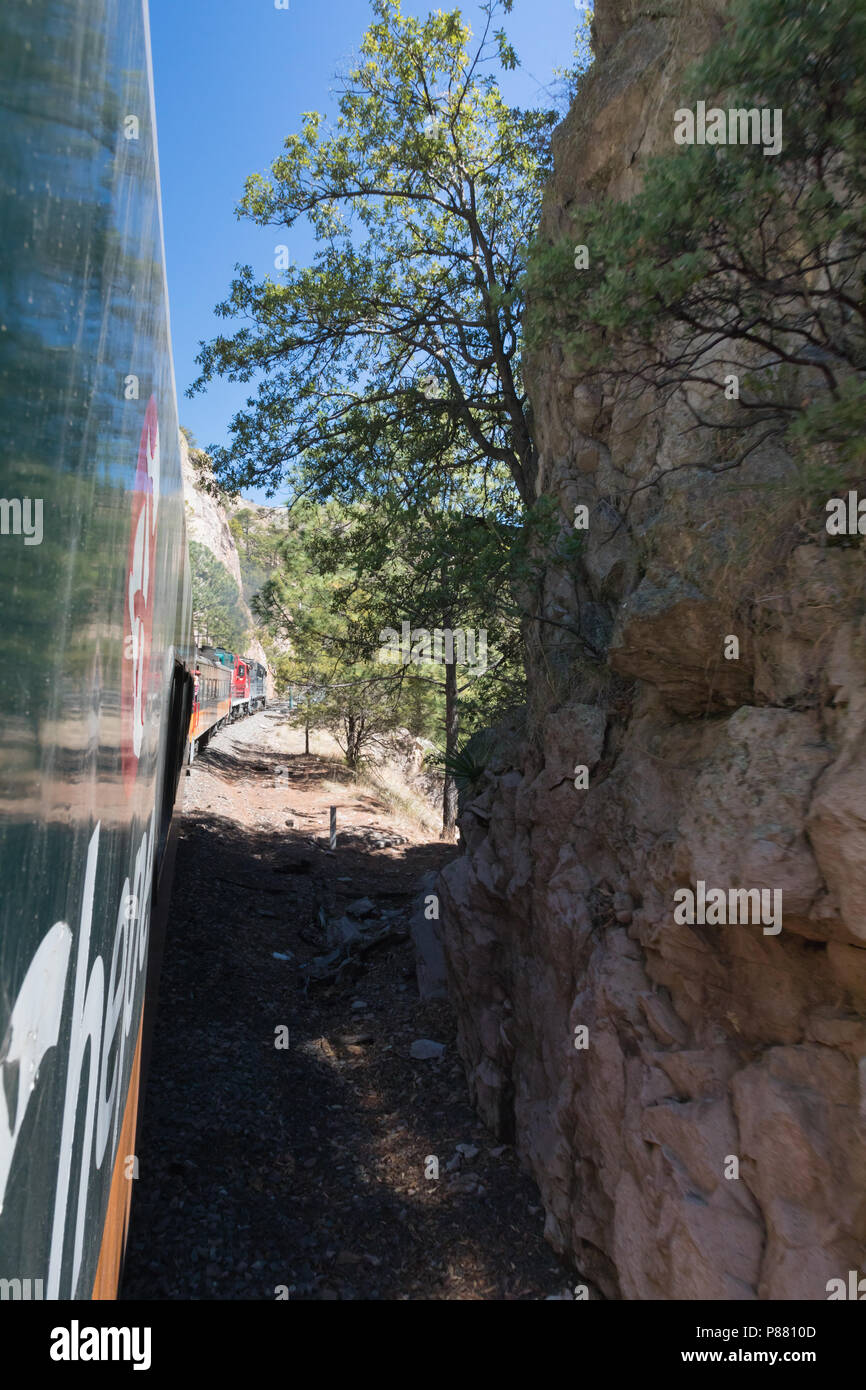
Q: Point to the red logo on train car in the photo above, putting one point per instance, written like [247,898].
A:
[138,595]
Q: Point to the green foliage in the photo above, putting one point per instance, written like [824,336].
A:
[542,539]
[258,540]
[349,572]
[571,547]
[432,548]
[216,597]
[465,767]
[329,665]
[727,250]
[423,198]
[839,420]
[582,58]
[388,373]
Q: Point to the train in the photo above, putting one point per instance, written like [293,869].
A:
[106,694]
[226,687]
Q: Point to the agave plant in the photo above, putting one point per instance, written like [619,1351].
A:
[466,769]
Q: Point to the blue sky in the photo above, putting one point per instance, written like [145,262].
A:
[232,78]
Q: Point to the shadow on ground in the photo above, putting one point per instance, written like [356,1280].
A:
[299,1171]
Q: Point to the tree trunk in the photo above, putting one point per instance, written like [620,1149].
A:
[351,726]
[306,738]
[452,726]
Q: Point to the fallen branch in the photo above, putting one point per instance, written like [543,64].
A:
[324,969]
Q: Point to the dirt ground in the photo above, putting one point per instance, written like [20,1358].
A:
[299,1170]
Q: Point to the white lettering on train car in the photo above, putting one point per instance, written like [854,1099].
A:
[102,1015]
[33,1029]
[96,1020]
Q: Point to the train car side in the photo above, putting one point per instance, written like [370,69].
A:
[106,693]
[211,702]
[96,638]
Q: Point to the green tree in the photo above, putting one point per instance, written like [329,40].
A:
[257,540]
[423,199]
[350,572]
[444,571]
[294,609]
[336,686]
[216,597]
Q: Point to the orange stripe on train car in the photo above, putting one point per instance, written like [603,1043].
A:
[116,1224]
[198,726]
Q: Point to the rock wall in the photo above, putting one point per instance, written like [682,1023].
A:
[207,523]
[206,520]
[711,1049]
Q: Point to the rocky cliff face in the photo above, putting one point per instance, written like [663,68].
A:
[206,520]
[207,523]
[704,1136]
